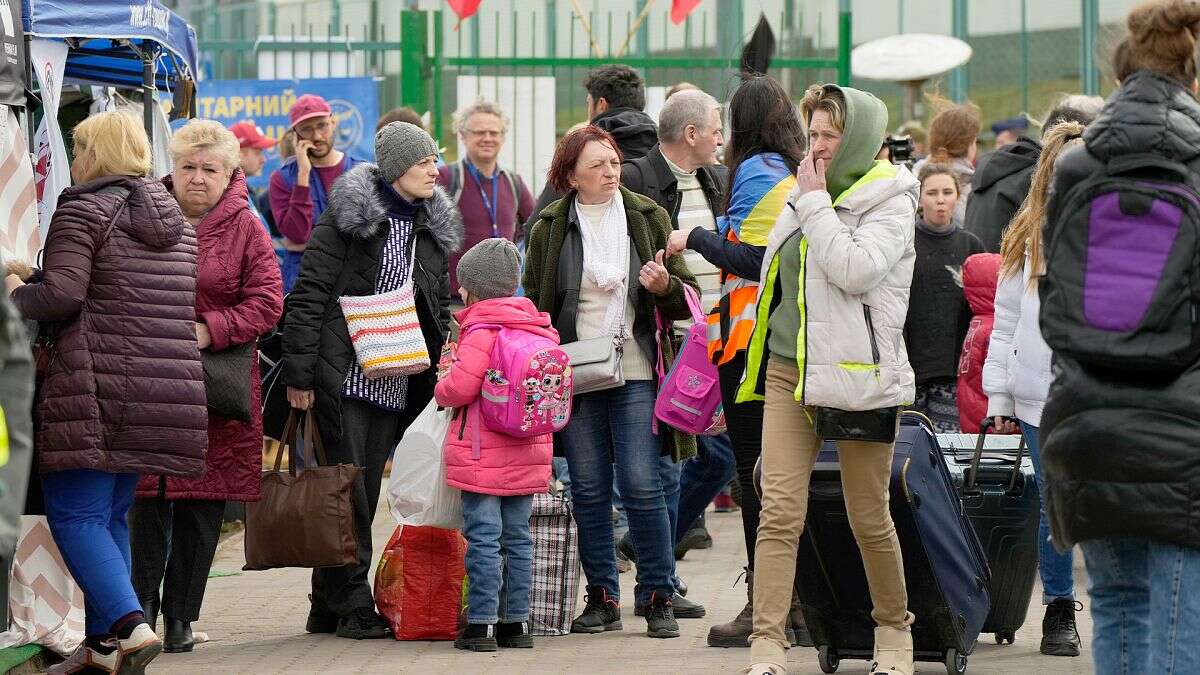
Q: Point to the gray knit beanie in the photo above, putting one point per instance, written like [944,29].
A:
[490,269]
[400,145]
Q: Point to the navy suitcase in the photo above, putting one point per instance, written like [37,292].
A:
[1000,497]
[945,570]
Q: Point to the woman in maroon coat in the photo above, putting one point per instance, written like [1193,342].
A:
[239,295]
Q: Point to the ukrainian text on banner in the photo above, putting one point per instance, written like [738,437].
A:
[355,103]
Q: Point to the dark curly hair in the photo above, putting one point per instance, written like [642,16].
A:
[618,84]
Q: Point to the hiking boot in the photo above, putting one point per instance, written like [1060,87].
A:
[684,608]
[893,651]
[363,624]
[600,614]
[1060,637]
[660,618]
[799,636]
[477,637]
[514,635]
[681,587]
[320,620]
[625,548]
[736,633]
[697,537]
[177,636]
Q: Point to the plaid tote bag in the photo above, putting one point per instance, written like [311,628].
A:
[555,566]
[386,332]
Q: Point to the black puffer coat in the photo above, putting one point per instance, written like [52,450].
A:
[998,187]
[343,259]
[1121,451]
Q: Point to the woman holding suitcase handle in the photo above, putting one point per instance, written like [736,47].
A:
[1016,376]
[828,338]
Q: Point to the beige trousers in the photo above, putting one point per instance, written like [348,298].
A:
[789,449]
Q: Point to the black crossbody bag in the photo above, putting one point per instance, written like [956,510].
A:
[870,426]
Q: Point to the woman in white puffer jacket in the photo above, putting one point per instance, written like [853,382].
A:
[1016,377]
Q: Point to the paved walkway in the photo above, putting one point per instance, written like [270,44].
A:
[256,622]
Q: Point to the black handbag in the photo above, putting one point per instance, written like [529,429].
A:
[227,380]
[871,426]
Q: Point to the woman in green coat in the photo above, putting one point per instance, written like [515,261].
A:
[596,263]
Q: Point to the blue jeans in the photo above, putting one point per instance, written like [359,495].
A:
[704,476]
[1056,568]
[499,557]
[610,429]
[1145,606]
[87,513]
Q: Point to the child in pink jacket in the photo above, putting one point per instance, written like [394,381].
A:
[500,477]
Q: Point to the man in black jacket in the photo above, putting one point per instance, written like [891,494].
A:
[1001,181]
[616,97]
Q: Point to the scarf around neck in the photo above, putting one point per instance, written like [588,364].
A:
[606,257]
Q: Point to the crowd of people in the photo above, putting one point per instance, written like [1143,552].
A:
[835,280]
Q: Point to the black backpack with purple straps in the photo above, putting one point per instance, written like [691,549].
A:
[1122,286]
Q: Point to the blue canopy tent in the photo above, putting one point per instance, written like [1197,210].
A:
[137,44]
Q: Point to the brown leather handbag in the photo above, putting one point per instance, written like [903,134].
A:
[305,518]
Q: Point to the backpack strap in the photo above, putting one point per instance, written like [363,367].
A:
[512,185]
[456,181]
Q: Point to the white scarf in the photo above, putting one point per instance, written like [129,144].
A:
[606,258]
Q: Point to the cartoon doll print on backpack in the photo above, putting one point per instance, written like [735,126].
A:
[527,388]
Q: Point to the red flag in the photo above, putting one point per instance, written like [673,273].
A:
[680,9]
[465,9]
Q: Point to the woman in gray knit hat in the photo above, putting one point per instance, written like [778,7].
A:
[385,223]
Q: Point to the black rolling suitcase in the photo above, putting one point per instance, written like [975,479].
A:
[1001,500]
[945,569]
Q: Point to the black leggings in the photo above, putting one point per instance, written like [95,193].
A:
[745,422]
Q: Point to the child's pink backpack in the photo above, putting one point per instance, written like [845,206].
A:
[689,395]
[527,388]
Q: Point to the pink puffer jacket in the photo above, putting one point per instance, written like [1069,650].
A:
[506,465]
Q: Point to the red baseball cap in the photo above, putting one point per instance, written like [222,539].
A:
[250,136]
[307,107]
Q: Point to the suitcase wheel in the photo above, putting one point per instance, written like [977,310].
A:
[956,663]
[1006,636]
[827,658]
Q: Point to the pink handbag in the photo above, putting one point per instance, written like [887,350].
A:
[689,395]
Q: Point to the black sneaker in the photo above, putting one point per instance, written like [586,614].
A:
[599,615]
[660,618]
[363,624]
[514,635]
[1059,634]
[320,620]
[477,637]
[684,608]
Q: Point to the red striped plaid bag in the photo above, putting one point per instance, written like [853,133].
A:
[386,332]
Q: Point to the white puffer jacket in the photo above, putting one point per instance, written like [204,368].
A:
[857,260]
[1016,375]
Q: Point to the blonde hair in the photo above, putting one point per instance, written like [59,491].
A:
[953,129]
[209,135]
[1025,231]
[481,106]
[825,97]
[114,144]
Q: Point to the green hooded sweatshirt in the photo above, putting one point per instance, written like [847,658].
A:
[865,128]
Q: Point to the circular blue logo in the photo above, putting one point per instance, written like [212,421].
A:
[350,124]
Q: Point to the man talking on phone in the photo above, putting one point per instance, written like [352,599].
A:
[300,187]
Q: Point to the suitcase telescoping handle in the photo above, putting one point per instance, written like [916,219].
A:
[989,424]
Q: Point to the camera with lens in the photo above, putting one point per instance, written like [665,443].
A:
[900,149]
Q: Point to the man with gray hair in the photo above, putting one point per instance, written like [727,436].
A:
[493,202]
[1001,179]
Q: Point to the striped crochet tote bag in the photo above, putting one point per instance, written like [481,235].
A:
[386,332]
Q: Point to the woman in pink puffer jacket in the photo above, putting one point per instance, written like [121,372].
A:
[498,473]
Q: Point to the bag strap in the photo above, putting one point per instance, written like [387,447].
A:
[287,440]
[1122,164]
[291,435]
[456,181]
[313,436]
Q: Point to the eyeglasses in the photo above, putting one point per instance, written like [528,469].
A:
[306,133]
[484,133]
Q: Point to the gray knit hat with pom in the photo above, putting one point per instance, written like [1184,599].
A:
[490,269]
[400,145]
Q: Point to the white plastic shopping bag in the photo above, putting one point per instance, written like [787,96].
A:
[417,490]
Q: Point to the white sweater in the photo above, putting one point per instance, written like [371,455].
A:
[1016,375]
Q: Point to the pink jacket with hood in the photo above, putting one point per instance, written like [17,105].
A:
[506,465]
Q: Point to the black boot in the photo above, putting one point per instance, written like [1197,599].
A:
[477,637]
[696,537]
[1059,634]
[150,611]
[800,636]
[320,620]
[516,635]
[178,636]
[660,618]
[683,608]
[599,615]
[363,624]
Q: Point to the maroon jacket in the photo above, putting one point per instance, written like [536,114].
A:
[124,392]
[239,295]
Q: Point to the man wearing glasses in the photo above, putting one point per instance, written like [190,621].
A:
[493,202]
[300,187]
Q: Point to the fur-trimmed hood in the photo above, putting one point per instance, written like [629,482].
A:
[359,209]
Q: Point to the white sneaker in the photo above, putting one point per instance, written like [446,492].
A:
[84,659]
[138,650]
[765,669]
[893,651]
